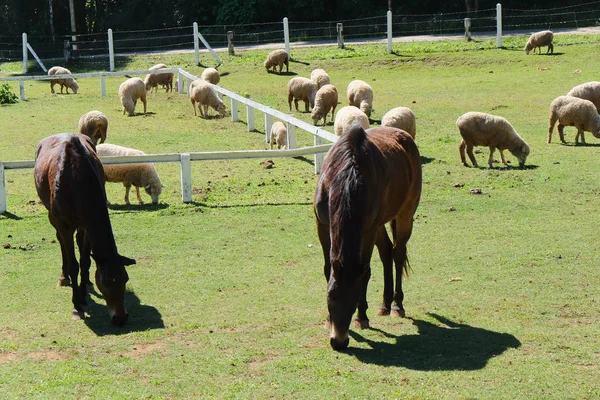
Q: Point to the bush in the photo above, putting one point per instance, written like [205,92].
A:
[6,96]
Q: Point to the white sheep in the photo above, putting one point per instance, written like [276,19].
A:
[211,75]
[139,175]
[129,92]
[277,58]
[481,129]
[201,92]
[539,39]
[279,135]
[94,124]
[320,77]
[68,83]
[360,95]
[153,80]
[573,111]
[300,88]
[587,91]
[348,115]
[326,99]
[401,118]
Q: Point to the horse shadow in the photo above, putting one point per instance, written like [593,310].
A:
[449,347]
[141,317]
[137,207]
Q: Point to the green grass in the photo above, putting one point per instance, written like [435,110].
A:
[227,299]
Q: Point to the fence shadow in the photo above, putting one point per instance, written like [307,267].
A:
[9,215]
[141,317]
[449,346]
[138,207]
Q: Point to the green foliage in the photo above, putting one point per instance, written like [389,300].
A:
[6,95]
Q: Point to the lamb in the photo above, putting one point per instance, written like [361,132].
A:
[573,111]
[277,58]
[539,39]
[211,75]
[320,77]
[587,91]
[360,95]
[401,118]
[201,92]
[279,135]
[129,92]
[94,124]
[153,80]
[326,99]
[139,175]
[481,129]
[304,89]
[348,115]
[69,83]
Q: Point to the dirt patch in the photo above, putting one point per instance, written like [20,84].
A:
[140,351]
[46,355]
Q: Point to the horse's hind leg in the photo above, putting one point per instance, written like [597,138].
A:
[63,280]
[362,321]
[68,246]
[385,248]
[323,232]
[84,263]
[402,231]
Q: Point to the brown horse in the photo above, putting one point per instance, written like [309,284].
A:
[368,179]
[69,180]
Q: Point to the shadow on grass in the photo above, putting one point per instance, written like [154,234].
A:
[450,347]
[283,73]
[138,207]
[426,160]
[200,204]
[141,317]
[299,62]
[9,215]
[573,144]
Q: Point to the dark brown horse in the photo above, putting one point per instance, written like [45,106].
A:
[368,179]
[70,182]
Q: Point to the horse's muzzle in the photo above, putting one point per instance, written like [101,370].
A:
[339,345]
[119,320]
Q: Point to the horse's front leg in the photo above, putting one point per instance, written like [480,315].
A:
[362,321]
[63,280]
[385,248]
[323,232]
[84,263]
[68,247]
[402,232]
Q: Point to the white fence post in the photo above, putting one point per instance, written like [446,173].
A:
[286,36]
[291,136]
[268,125]
[319,157]
[234,110]
[389,32]
[186,178]
[2,190]
[250,118]
[111,50]
[180,83]
[22,90]
[102,85]
[25,61]
[196,44]
[499,25]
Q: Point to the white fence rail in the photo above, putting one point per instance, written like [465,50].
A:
[320,135]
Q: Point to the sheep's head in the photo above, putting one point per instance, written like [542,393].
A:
[221,109]
[366,108]
[268,64]
[74,86]
[528,47]
[521,152]
[154,190]
[316,115]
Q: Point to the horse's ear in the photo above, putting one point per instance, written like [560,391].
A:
[127,261]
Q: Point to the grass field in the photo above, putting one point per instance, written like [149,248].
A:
[227,299]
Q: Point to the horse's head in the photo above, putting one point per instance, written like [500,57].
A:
[111,278]
[343,294]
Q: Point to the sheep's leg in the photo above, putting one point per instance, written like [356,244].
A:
[471,155]
[306,106]
[502,157]
[461,151]
[561,134]
[205,110]
[296,104]
[579,134]
[552,121]
[144,102]
[52,87]
[137,192]
[193,106]
[491,158]
[385,249]
[127,187]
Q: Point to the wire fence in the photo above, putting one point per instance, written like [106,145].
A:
[181,38]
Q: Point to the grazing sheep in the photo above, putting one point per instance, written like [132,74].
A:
[348,115]
[481,129]
[129,92]
[360,95]
[587,91]
[277,58]
[573,111]
[304,89]
[201,92]
[153,80]
[320,77]
[68,83]
[326,99]
[211,75]
[139,175]
[401,118]
[94,124]
[539,39]
[279,135]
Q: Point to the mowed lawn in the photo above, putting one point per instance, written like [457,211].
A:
[228,297]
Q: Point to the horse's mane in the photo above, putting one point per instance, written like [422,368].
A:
[348,194]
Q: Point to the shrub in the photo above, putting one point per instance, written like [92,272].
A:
[6,96]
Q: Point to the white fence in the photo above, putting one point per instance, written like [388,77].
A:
[185,159]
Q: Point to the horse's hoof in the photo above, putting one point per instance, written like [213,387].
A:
[77,315]
[62,281]
[398,312]
[383,311]
[361,323]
